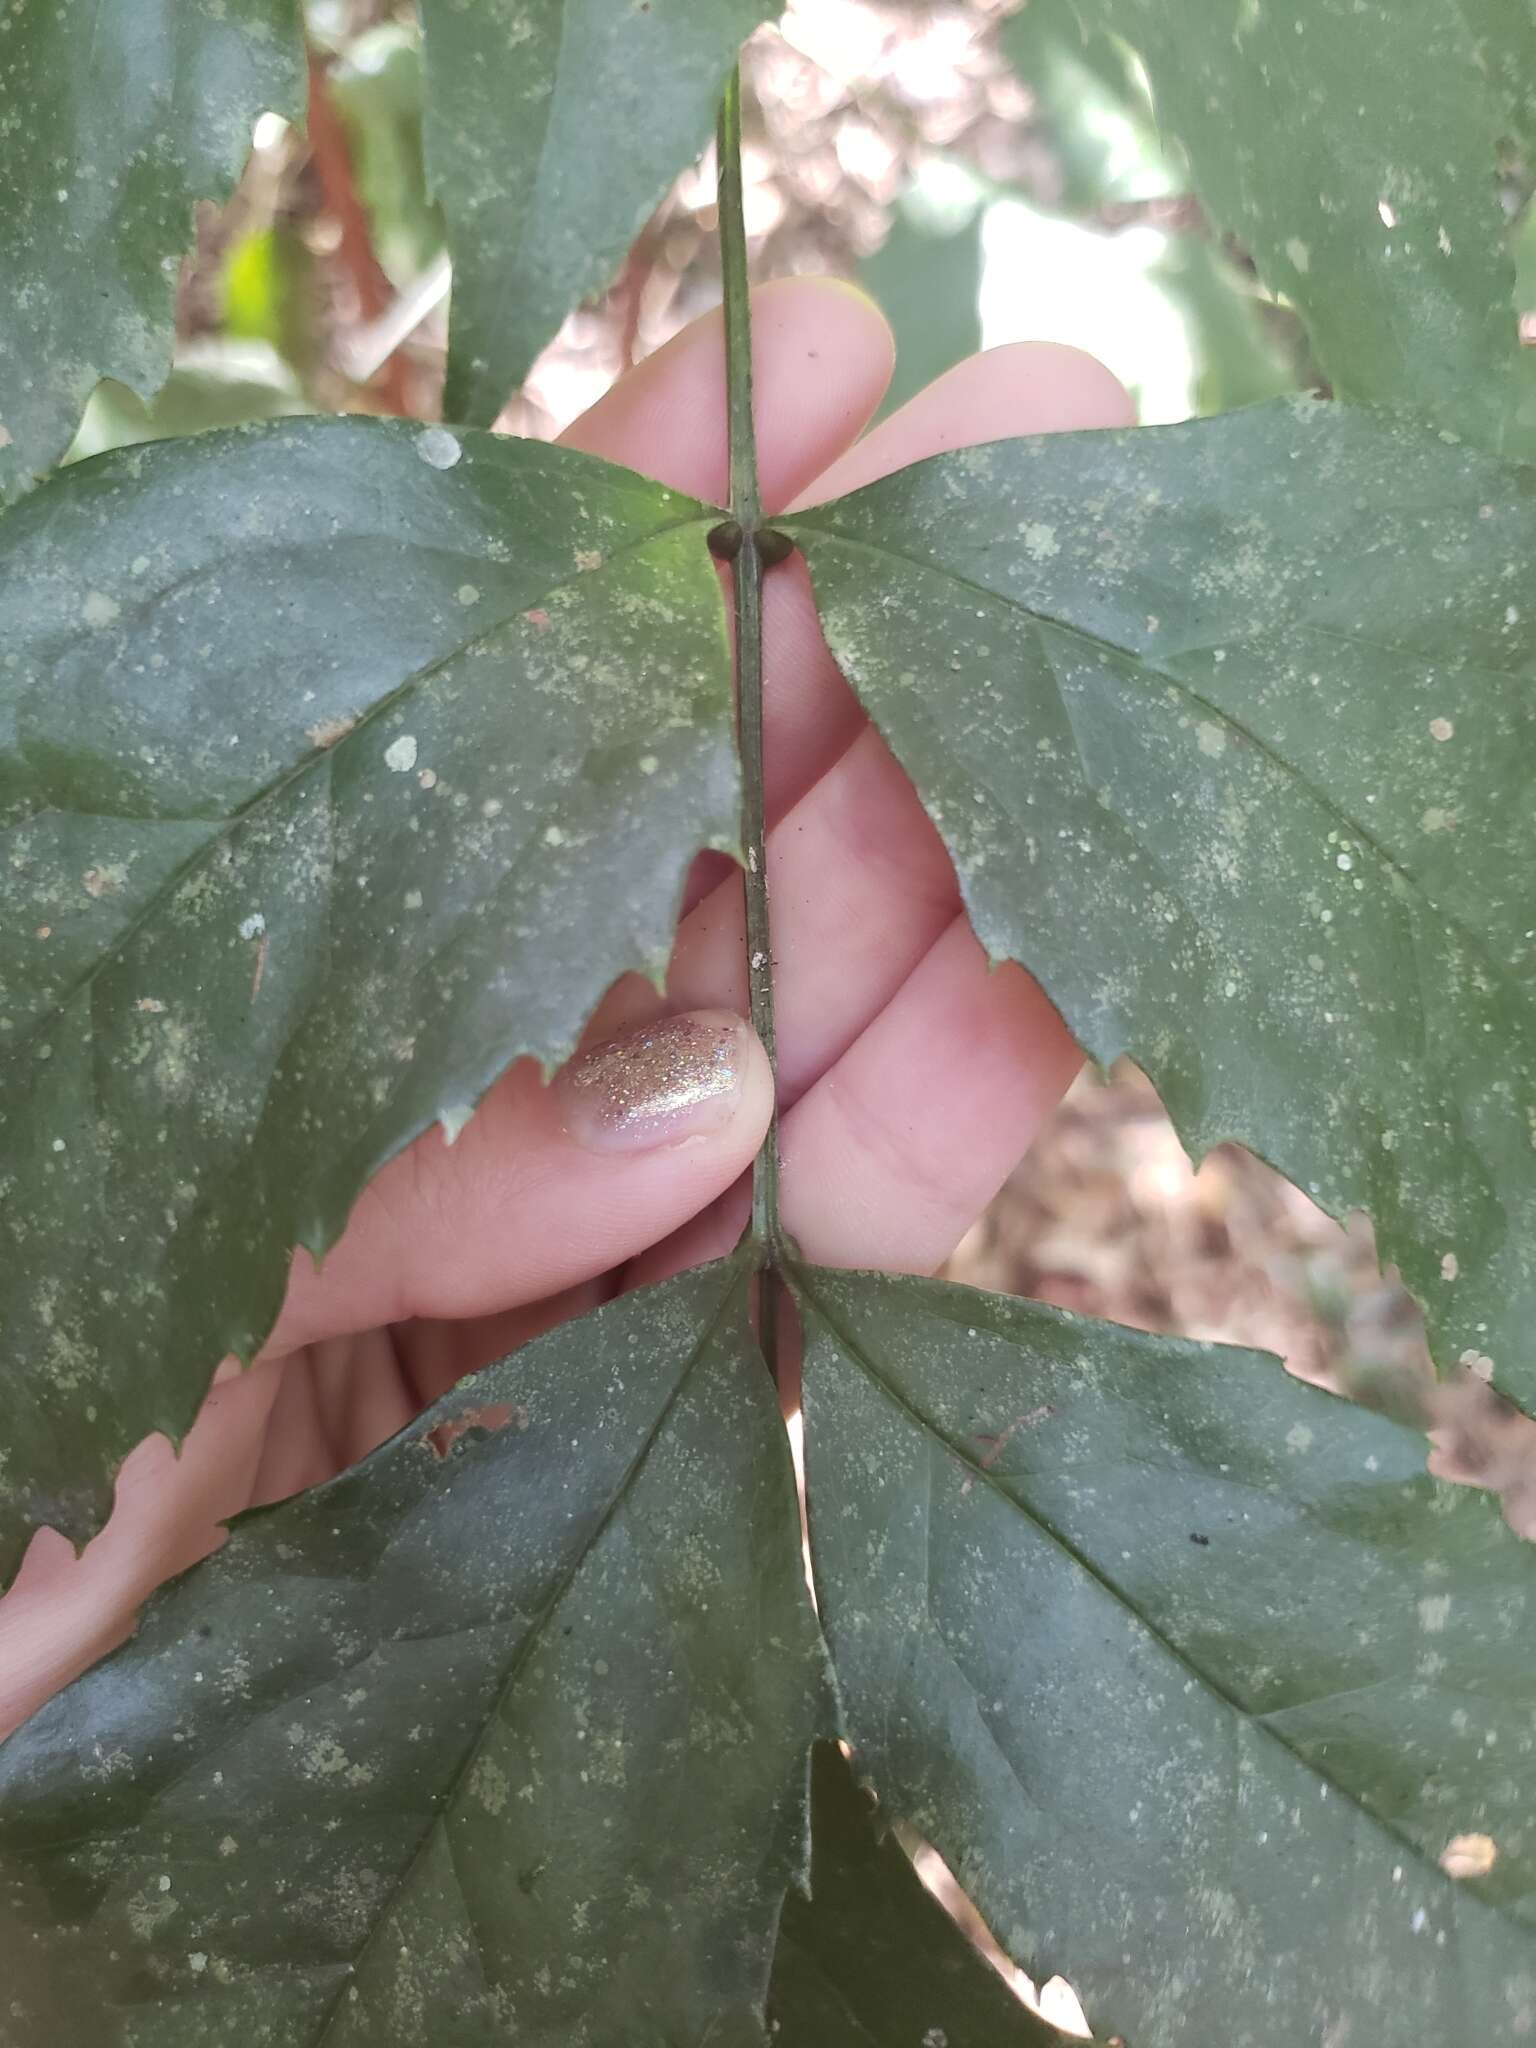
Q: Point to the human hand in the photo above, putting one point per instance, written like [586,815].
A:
[911,1076]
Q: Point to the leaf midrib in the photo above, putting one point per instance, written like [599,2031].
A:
[1139,663]
[317,756]
[804,1279]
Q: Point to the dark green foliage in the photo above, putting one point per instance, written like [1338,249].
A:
[871,1956]
[1185,1667]
[503,1741]
[313,734]
[343,762]
[553,129]
[1227,729]
[1350,145]
[115,115]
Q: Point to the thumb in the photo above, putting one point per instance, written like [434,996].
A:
[545,1187]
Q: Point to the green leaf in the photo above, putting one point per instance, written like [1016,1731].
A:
[1378,216]
[1237,358]
[1185,1667]
[115,116]
[1228,729]
[315,738]
[553,129]
[215,384]
[871,1957]
[926,279]
[505,1742]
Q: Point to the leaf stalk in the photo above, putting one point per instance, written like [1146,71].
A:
[755,550]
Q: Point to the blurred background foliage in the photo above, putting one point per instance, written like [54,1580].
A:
[990,175]
[987,174]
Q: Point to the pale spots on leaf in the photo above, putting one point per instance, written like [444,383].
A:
[490,1785]
[1434,1613]
[99,609]
[452,1119]
[438,448]
[1441,729]
[105,879]
[400,754]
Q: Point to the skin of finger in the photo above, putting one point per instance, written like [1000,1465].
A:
[515,1209]
[1019,389]
[437,1355]
[64,1611]
[337,1401]
[343,1398]
[861,887]
[98,1598]
[894,1153]
[813,721]
[810,714]
[1024,387]
[822,355]
[891,1156]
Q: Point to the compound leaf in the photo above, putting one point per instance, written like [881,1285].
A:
[1380,217]
[553,128]
[1187,1669]
[507,1742]
[312,739]
[871,1957]
[1229,730]
[115,117]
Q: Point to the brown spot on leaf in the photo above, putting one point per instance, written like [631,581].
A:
[325,732]
[1469,1855]
[445,1436]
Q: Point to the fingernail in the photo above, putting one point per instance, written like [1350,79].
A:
[680,1078]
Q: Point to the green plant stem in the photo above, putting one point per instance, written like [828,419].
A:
[747,581]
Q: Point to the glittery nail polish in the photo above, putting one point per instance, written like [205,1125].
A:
[679,1078]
